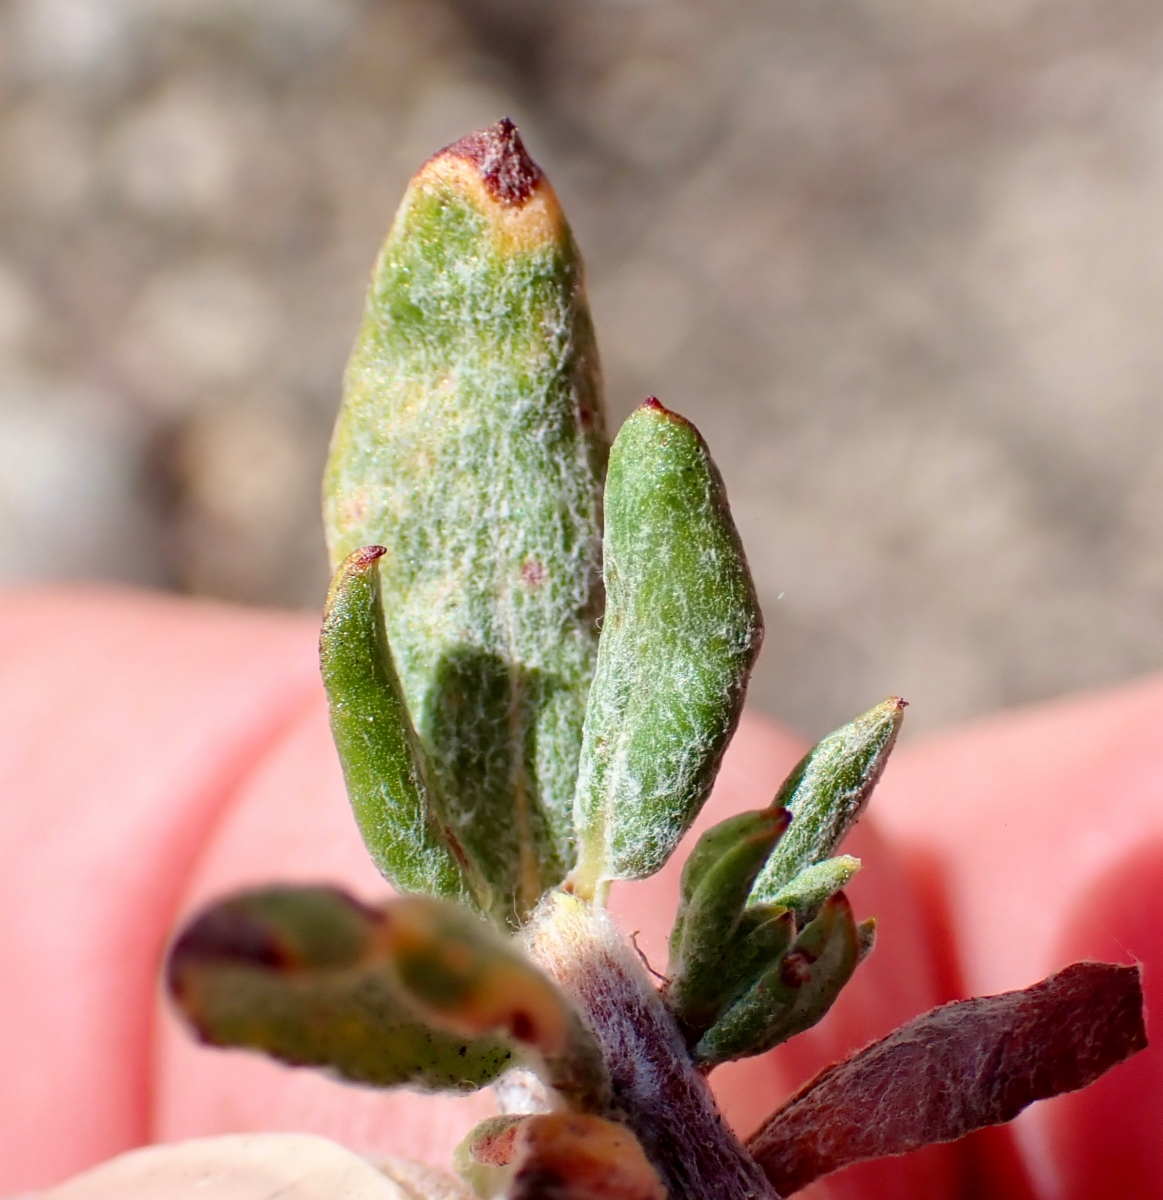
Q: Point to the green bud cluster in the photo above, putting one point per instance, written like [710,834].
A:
[764,938]
[535,649]
[493,741]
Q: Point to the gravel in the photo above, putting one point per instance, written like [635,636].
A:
[901,261]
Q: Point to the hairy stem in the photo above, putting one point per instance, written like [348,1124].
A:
[656,1090]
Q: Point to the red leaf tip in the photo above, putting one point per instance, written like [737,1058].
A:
[504,164]
[652,404]
[366,556]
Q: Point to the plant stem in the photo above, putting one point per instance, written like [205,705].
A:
[657,1091]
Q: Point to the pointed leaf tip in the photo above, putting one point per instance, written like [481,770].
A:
[366,556]
[499,154]
[653,406]
[813,885]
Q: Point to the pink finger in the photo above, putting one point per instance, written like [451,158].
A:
[128,722]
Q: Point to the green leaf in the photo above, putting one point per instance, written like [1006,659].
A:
[387,774]
[766,932]
[827,792]
[707,851]
[792,994]
[461,973]
[814,884]
[714,894]
[297,973]
[681,632]
[471,444]
[718,841]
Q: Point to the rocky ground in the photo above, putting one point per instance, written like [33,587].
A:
[901,260]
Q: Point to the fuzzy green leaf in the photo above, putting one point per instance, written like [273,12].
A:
[713,844]
[792,994]
[298,974]
[813,885]
[766,932]
[827,792]
[471,444]
[710,912]
[459,972]
[707,851]
[386,771]
[681,633]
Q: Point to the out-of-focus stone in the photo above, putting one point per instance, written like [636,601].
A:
[235,1167]
[71,499]
[206,325]
[897,259]
[177,157]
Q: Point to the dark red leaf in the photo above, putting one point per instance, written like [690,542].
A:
[956,1069]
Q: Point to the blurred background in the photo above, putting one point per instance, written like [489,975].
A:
[900,260]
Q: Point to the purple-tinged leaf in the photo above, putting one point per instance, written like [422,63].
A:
[956,1069]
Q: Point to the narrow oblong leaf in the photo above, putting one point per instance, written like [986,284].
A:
[471,444]
[680,635]
[765,934]
[956,1069]
[793,993]
[460,973]
[385,768]
[716,842]
[828,791]
[710,913]
[709,850]
[813,885]
[298,974]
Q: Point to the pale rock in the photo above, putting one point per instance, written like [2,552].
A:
[291,1166]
